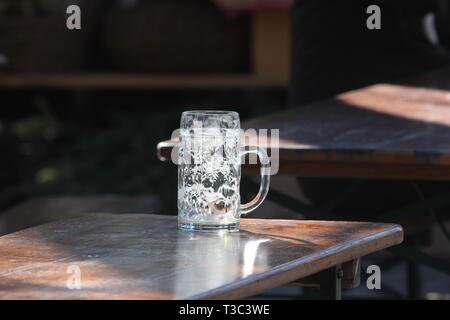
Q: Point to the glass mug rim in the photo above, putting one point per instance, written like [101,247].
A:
[207,119]
[210,112]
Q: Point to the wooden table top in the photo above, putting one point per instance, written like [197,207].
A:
[381,131]
[143,256]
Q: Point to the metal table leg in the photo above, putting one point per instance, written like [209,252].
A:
[330,283]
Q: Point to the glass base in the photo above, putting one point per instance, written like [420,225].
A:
[196,226]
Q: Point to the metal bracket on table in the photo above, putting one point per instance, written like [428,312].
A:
[329,282]
[424,206]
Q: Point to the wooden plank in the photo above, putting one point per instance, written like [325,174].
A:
[146,257]
[354,167]
[359,170]
[136,81]
[351,277]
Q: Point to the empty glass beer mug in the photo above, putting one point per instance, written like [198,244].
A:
[209,171]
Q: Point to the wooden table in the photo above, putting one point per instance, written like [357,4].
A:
[397,131]
[141,256]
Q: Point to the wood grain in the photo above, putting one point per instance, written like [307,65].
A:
[141,256]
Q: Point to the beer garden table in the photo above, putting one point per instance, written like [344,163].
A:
[145,256]
[386,131]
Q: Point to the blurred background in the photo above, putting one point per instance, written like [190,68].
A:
[104,96]
[81,111]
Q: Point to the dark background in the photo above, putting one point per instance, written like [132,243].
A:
[67,149]
[103,141]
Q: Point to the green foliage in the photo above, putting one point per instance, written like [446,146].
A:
[119,158]
[101,143]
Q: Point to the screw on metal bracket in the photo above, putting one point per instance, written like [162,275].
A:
[340,273]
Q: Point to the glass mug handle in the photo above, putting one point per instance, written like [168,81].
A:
[265,178]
